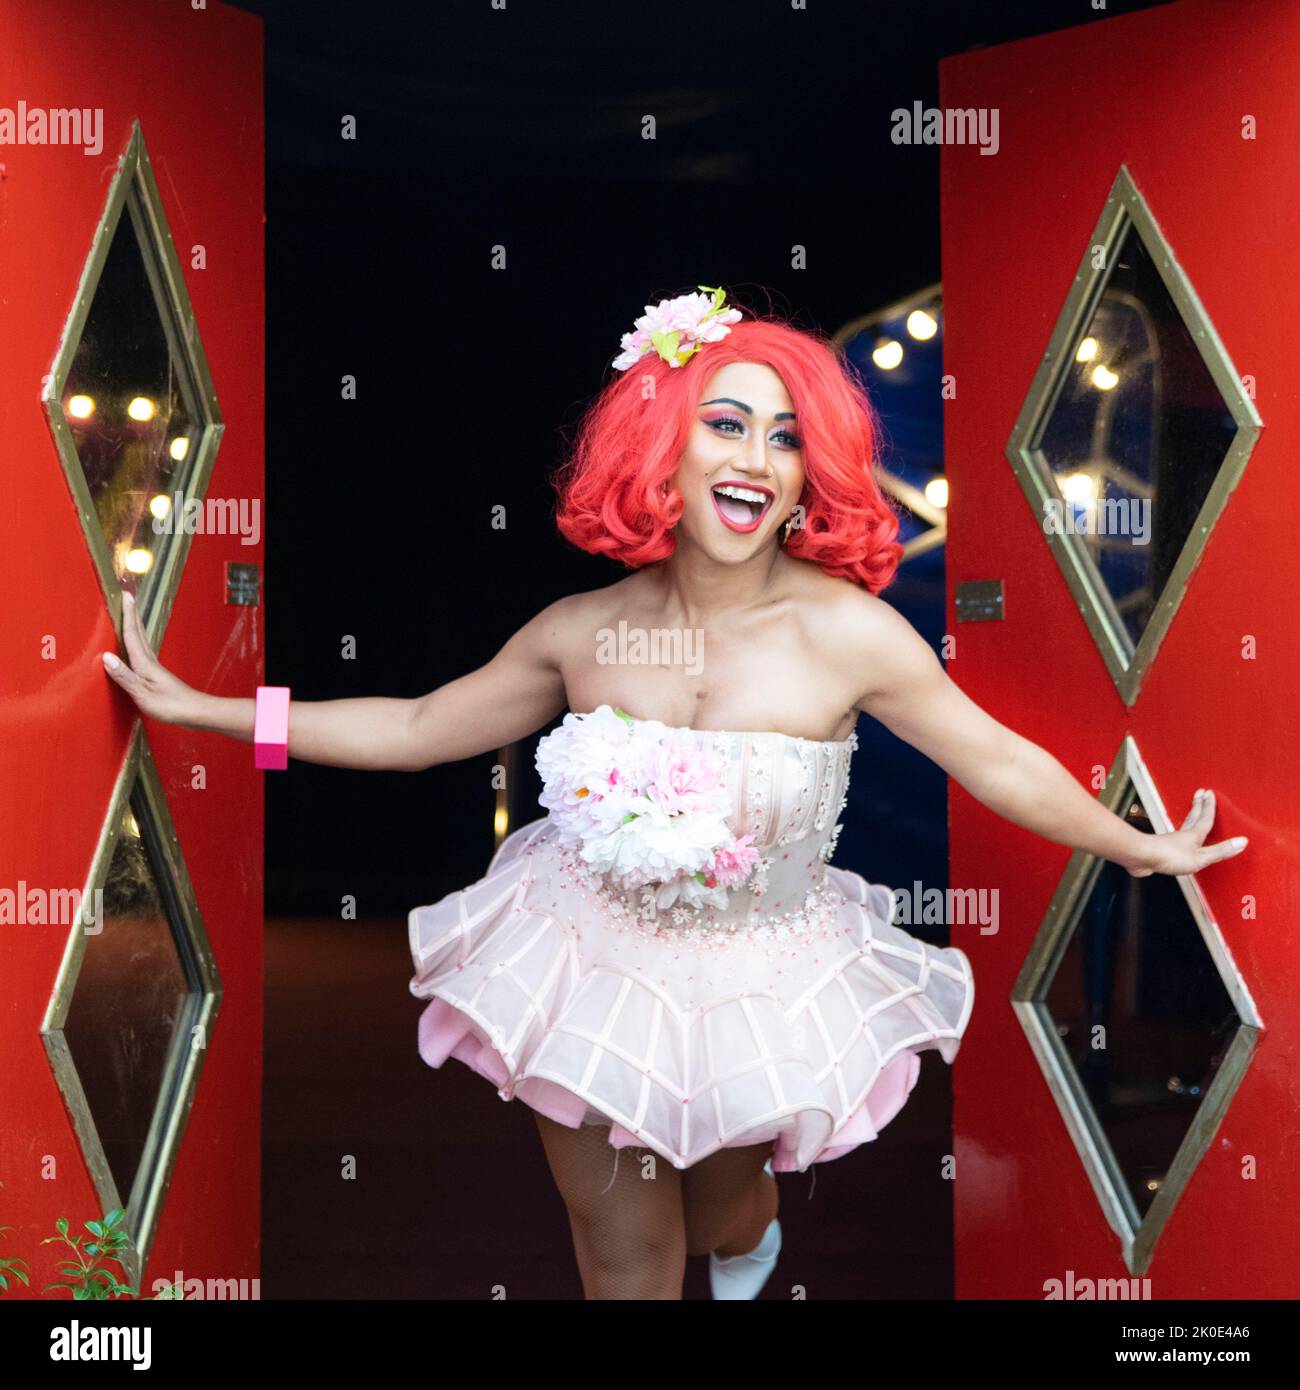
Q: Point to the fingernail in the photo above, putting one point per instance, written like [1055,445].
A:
[1240,841]
[111,661]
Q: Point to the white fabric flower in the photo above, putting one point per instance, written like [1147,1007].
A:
[643,804]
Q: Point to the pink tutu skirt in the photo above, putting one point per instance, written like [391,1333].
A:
[807,1036]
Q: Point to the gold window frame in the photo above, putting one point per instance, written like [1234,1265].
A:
[1127,663]
[134,193]
[1128,781]
[138,788]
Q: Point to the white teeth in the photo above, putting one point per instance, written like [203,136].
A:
[742,494]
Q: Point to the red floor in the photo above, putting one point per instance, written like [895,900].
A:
[452,1198]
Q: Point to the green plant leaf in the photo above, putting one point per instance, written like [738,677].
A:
[114,1216]
[94,1228]
[61,1225]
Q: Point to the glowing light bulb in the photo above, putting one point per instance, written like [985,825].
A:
[936,492]
[180,446]
[1103,378]
[500,820]
[160,505]
[1078,487]
[887,354]
[141,408]
[139,560]
[1087,350]
[921,325]
[81,407]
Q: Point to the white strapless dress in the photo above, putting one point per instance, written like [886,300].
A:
[795,1015]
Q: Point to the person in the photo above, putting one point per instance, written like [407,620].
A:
[667,961]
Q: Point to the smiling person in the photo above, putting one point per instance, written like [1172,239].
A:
[667,961]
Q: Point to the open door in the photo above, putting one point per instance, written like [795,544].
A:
[1119,290]
[131,413]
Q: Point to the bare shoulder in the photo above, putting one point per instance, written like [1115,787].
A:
[863,635]
[835,610]
[575,617]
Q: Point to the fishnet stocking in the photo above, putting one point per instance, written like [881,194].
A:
[728,1201]
[634,1217]
[625,1212]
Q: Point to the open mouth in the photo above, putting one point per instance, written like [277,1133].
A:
[741,507]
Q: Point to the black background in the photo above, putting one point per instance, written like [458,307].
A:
[478,127]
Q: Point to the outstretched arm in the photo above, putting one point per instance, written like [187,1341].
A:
[515,693]
[906,688]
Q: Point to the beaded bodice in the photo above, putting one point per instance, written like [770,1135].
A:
[788,793]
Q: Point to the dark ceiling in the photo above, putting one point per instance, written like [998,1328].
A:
[740,89]
[521,128]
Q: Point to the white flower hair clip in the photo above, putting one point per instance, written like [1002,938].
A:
[676,329]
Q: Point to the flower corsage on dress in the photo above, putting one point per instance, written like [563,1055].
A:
[645,806]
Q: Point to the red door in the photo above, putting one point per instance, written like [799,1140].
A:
[131,400]
[1120,292]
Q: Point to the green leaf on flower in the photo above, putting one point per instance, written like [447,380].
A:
[666,344]
[719,299]
[624,716]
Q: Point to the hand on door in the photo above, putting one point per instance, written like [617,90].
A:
[156,692]
[1184,851]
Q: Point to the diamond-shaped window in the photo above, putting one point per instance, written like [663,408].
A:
[1133,435]
[130,401]
[1142,1024]
[132,1011]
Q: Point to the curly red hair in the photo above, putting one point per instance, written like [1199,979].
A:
[629,441]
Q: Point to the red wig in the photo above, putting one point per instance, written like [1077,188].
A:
[629,442]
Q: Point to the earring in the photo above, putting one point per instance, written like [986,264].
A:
[787,528]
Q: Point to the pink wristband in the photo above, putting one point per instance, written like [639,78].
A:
[271,727]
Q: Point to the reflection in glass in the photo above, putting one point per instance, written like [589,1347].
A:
[1144,1017]
[131,409]
[1136,434]
[135,1000]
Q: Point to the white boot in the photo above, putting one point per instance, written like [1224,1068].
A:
[743,1276]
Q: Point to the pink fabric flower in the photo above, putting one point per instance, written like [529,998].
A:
[732,863]
[683,779]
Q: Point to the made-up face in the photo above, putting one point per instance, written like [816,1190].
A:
[741,472]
